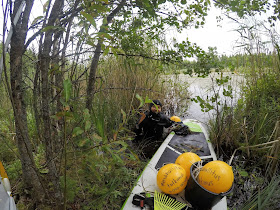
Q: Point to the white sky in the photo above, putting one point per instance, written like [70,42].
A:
[223,37]
[212,34]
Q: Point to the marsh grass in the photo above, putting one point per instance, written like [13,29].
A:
[252,126]
[7,134]
[120,79]
[259,109]
[266,198]
[104,165]
[177,95]
[252,121]
[101,167]
[273,153]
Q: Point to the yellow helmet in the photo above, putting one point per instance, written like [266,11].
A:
[175,119]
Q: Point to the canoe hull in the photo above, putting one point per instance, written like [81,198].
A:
[174,145]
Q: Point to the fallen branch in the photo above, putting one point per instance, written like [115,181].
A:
[254,146]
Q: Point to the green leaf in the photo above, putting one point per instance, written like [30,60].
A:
[86,114]
[48,28]
[90,42]
[67,85]
[37,19]
[142,102]
[83,142]
[106,51]
[60,114]
[147,100]
[45,6]
[87,125]
[44,171]
[124,115]
[68,115]
[104,35]
[89,18]
[55,117]
[243,173]
[77,131]
[63,102]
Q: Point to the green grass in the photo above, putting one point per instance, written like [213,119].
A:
[266,198]
[252,128]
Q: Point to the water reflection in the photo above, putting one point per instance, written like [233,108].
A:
[204,88]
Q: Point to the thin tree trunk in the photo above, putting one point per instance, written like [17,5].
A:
[31,176]
[96,57]
[58,80]
[36,93]
[37,84]
[44,63]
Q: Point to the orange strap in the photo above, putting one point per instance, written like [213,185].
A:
[2,171]
[143,116]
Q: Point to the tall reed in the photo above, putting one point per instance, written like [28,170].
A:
[266,198]
[252,127]
[102,164]
[258,109]
[119,80]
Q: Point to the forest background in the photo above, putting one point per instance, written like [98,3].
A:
[75,78]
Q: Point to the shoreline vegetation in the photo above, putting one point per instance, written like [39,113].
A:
[96,154]
[76,78]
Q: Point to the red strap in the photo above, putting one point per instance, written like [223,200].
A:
[142,203]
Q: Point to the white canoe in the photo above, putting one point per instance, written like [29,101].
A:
[6,200]
[170,149]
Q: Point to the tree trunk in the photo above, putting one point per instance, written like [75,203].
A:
[31,176]
[97,53]
[44,64]
[58,81]
[37,85]
[36,93]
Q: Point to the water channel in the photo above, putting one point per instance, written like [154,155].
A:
[205,88]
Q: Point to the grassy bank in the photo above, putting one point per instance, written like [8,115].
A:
[101,167]
[248,135]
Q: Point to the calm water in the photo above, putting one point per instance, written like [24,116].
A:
[206,88]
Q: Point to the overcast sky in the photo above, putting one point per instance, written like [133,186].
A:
[221,35]
[224,37]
